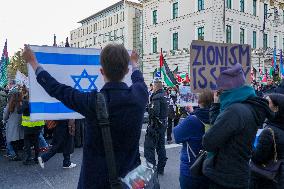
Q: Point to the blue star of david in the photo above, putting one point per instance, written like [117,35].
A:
[85,75]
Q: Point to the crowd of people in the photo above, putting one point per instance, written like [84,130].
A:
[219,135]
[225,125]
[23,139]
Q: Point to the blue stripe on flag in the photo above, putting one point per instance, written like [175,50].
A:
[67,59]
[55,108]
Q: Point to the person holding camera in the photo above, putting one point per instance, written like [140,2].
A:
[155,137]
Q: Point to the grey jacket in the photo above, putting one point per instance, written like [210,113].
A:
[14,130]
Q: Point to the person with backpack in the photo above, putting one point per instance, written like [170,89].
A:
[236,115]
[189,132]
[126,106]
[270,145]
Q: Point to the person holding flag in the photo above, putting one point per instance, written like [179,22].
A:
[126,107]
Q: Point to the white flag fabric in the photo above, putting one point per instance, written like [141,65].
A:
[21,79]
[79,68]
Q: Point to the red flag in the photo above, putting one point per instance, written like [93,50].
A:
[187,80]
[161,60]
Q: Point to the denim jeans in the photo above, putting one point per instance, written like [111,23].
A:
[10,149]
[42,142]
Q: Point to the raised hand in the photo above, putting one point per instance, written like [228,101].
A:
[29,57]
[217,96]
[134,59]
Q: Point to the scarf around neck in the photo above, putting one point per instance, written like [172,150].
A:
[237,95]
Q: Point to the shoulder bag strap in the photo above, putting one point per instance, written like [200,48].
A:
[275,158]
[104,124]
[189,147]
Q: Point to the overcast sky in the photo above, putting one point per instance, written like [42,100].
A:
[35,21]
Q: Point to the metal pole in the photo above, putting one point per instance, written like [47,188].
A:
[224,21]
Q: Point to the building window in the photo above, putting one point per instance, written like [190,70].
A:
[155,48]
[175,41]
[95,40]
[109,21]
[242,36]
[155,17]
[200,5]
[265,10]
[254,7]
[275,42]
[283,44]
[229,4]
[254,39]
[283,15]
[109,36]
[104,38]
[115,34]
[228,34]
[242,5]
[265,41]
[200,33]
[175,10]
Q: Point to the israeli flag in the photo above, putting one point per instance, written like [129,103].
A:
[79,68]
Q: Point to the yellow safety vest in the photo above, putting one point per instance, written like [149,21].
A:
[26,122]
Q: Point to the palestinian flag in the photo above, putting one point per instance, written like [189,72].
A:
[183,77]
[169,77]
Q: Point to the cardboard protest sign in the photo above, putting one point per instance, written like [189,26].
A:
[208,60]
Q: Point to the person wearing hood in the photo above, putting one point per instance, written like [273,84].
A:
[264,151]
[235,116]
[189,132]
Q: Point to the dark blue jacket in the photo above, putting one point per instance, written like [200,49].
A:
[126,107]
[191,131]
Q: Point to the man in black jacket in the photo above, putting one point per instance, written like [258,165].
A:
[126,107]
[155,137]
[236,116]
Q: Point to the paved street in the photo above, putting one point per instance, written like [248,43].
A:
[14,175]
